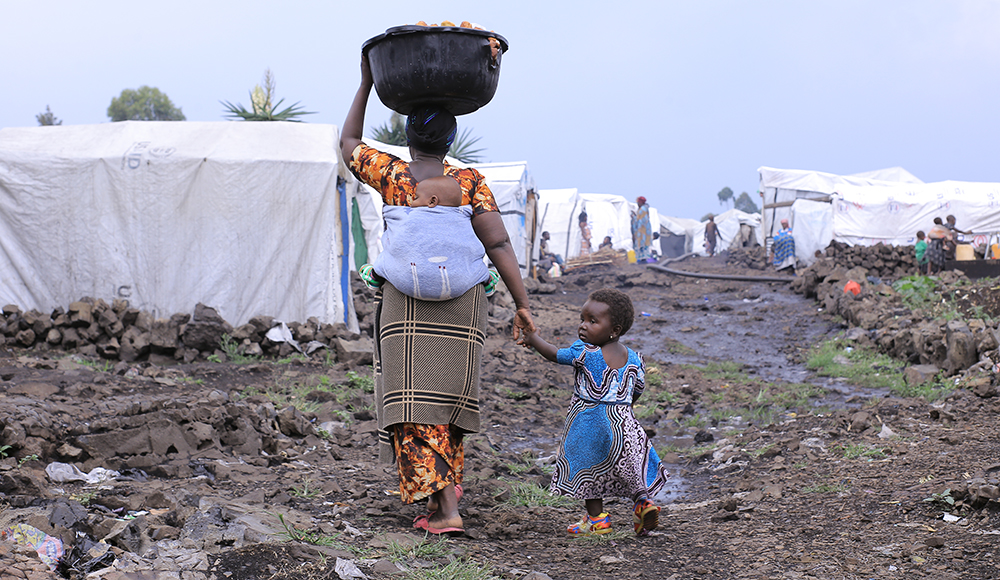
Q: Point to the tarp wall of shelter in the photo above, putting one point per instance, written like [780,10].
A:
[812,228]
[558,211]
[607,215]
[243,217]
[893,215]
[781,188]
[672,228]
[510,183]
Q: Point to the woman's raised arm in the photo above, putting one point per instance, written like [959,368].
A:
[354,124]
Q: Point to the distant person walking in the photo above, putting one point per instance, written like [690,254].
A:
[784,248]
[585,248]
[642,231]
[711,235]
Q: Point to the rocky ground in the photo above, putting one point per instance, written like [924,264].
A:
[265,468]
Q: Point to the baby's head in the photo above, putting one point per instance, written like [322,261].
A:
[920,235]
[607,239]
[619,307]
[433,191]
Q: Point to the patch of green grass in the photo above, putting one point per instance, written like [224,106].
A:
[654,376]
[4,451]
[456,570]
[291,358]
[84,497]
[929,391]
[861,366]
[293,534]
[755,453]
[428,548]
[861,450]
[526,494]
[644,411]
[364,382]
[103,366]
[693,422]
[525,463]
[513,395]
[306,489]
[233,351]
[725,371]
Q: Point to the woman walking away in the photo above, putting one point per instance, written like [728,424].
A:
[585,248]
[642,232]
[605,452]
[428,353]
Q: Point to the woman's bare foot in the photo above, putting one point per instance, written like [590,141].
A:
[445,512]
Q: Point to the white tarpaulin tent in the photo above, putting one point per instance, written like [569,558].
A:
[677,235]
[243,217]
[607,215]
[793,194]
[558,214]
[729,223]
[893,215]
[510,182]
[513,188]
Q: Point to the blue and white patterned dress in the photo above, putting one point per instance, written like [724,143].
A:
[605,452]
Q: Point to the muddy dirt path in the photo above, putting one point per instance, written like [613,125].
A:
[778,474]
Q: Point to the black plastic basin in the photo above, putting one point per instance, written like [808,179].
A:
[447,66]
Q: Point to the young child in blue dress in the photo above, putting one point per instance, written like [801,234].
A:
[605,451]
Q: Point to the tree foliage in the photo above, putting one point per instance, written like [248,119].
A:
[725,196]
[263,105]
[745,203]
[393,132]
[47,118]
[143,104]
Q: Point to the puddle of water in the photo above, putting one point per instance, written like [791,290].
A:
[675,489]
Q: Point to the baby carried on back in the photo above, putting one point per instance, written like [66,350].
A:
[430,250]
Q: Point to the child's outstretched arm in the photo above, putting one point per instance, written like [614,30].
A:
[543,347]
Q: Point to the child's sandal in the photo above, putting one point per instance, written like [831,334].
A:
[588,525]
[645,517]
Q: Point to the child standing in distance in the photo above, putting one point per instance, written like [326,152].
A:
[605,452]
[430,250]
[921,249]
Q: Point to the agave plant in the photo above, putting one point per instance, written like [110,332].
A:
[392,132]
[461,147]
[263,105]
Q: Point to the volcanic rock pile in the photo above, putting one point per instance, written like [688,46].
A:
[878,317]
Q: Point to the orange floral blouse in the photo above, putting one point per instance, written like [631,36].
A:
[391,177]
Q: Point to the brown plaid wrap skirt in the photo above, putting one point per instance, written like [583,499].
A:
[427,363]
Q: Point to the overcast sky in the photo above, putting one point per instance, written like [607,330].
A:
[673,100]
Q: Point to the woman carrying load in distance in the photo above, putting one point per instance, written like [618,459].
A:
[423,407]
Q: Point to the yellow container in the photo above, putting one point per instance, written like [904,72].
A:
[963,252]
[631,256]
[995,253]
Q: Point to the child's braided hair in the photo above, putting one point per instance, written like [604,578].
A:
[619,304]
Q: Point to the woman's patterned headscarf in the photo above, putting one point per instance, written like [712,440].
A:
[431,129]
